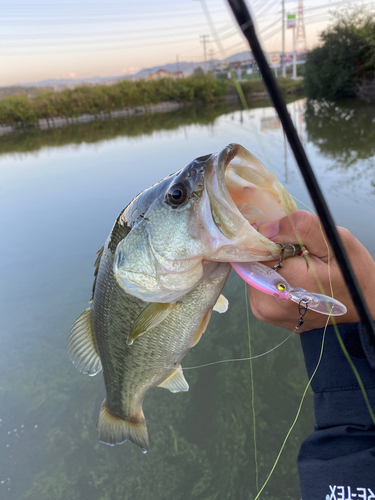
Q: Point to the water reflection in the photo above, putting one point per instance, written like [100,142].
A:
[202,444]
[56,209]
[133,126]
[342,131]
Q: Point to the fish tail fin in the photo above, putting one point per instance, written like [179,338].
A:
[114,429]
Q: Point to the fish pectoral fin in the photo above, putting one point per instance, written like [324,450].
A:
[150,317]
[82,348]
[221,305]
[114,429]
[176,381]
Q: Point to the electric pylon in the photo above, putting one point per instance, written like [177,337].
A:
[300,31]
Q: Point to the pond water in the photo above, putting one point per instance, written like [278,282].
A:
[60,192]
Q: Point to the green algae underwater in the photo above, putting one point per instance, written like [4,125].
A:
[201,441]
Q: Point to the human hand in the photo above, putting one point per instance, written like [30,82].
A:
[303,271]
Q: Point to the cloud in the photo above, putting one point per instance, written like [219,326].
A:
[131,70]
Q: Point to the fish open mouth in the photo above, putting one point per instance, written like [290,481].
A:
[183,232]
[242,195]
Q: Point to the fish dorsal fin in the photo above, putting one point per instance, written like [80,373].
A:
[99,254]
[176,381]
[151,316]
[221,305]
[82,348]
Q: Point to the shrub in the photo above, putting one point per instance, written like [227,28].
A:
[346,57]
[105,98]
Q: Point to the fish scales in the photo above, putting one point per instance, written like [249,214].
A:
[129,371]
[161,273]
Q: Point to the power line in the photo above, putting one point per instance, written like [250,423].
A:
[266,8]
[212,27]
[270,26]
[96,50]
[99,19]
[88,41]
[204,41]
[95,34]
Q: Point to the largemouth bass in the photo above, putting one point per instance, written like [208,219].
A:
[160,275]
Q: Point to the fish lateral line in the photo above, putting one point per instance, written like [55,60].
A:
[160,275]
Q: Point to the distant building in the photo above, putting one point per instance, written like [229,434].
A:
[163,73]
[241,64]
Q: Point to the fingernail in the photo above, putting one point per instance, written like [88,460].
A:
[269,230]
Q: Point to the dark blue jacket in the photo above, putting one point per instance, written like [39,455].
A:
[337,461]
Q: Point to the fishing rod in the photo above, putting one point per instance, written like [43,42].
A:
[367,330]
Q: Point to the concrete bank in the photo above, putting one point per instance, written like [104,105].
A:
[44,123]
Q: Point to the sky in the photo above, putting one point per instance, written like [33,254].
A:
[42,39]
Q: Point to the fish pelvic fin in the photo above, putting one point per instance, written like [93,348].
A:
[114,429]
[176,381]
[82,348]
[221,305]
[202,328]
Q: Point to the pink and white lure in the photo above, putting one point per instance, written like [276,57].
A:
[268,281]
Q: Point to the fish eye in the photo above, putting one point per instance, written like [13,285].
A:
[281,287]
[177,194]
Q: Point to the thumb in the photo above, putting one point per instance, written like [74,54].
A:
[298,228]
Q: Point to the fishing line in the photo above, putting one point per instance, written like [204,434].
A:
[252,393]
[326,243]
[237,84]
[297,414]
[238,359]
[356,374]
[246,24]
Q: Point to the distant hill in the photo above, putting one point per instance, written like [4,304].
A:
[186,67]
[240,57]
[74,82]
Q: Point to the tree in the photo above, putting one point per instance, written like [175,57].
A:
[345,60]
[198,71]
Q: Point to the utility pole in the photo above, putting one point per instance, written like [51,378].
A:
[294,55]
[204,41]
[178,63]
[283,38]
[211,53]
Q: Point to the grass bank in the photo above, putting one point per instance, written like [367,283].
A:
[34,139]
[254,89]
[22,111]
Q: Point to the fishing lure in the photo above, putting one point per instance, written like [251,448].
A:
[268,281]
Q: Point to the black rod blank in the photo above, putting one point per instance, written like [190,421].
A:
[246,24]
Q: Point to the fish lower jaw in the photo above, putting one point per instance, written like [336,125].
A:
[240,250]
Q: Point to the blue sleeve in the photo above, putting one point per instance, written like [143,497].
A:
[337,461]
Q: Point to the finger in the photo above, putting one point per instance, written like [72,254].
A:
[300,226]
